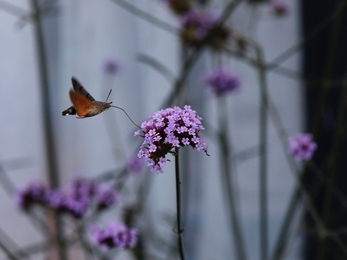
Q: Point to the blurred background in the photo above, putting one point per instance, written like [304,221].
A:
[111,44]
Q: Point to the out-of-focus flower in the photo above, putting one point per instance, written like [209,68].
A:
[223,81]
[197,25]
[302,146]
[106,197]
[135,164]
[280,8]
[167,129]
[55,199]
[114,235]
[75,200]
[78,197]
[33,193]
[179,7]
[111,66]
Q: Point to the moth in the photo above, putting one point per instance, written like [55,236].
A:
[84,105]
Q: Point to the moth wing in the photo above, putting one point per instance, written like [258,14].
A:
[81,103]
[80,89]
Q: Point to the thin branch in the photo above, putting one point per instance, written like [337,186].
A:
[178,204]
[158,66]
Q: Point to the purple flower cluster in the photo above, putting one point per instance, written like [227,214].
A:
[200,22]
[75,200]
[280,8]
[111,66]
[302,147]
[167,129]
[106,196]
[135,164]
[33,193]
[114,235]
[223,81]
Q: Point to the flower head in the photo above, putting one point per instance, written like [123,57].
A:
[78,197]
[74,200]
[197,25]
[114,235]
[111,66]
[199,21]
[167,129]
[222,81]
[302,147]
[106,197]
[135,164]
[280,8]
[33,193]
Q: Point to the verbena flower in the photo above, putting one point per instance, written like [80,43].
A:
[114,235]
[167,129]
[196,25]
[135,164]
[280,8]
[78,197]
[106,197]
[223,81]
[74,200]
[111,66]
[198,21]
[302,147]
[33,193]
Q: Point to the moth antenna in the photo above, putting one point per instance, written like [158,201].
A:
[109,93]
[127,116]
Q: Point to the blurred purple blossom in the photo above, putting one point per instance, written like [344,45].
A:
[106,196]
[55,199]
[302,147]
[222,81]
[78,197]
[135,164]
[280,8]
[111,66]
[31,194]
[114,235]
[202,22]
[167,129]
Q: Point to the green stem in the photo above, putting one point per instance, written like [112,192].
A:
[47,120]
[178,203]
[227,182]
[263,156]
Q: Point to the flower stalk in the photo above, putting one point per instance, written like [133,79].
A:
[178,203]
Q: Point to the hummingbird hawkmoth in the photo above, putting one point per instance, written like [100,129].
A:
[84,105]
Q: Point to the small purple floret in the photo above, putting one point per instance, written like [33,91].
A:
[33,193]
[111,66]
[106,197]
[302,147]
[135,164]
[223,81]
[114,235]
[201,22]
